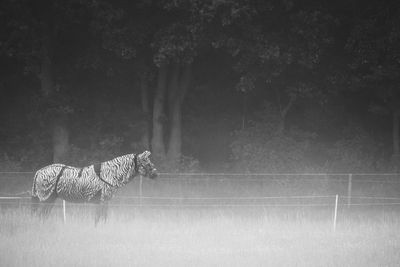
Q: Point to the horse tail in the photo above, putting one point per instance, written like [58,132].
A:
[34,197]
[34,193]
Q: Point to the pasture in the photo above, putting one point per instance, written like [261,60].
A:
[203,231]
[195,238]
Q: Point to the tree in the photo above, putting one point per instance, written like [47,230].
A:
[374,43]
[169,58]
[49,37]
[278,48]
[126,31]
[174,53]
[33,31]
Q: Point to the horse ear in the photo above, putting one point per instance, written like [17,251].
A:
[145,154]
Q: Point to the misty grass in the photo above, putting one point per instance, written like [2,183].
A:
[186,238]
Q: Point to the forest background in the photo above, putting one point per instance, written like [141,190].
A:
[216,85]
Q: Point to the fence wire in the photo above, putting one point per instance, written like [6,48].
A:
[188,189]
[17,201]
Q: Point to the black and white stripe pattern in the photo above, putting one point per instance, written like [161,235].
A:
[95,183]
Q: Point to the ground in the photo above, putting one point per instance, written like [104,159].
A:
[187,237]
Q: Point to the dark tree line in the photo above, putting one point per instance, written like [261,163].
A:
[251,85]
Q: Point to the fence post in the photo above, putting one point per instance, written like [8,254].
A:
[64,213]
[140,189]
[349,185]
[335,214]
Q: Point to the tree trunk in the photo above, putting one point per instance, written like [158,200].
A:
[181,80]
[157,141]
[46,74]
[146,111]
[283,115]
[60,134]
[396,141]
[174,109]
[244,110]
[175,138]
[60,140]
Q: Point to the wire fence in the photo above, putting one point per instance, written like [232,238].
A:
[329,206]
[245,185]
[238,189]
[332,195]
[4,201]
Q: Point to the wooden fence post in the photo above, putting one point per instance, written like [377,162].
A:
[335,213]
[349,185]
[64,213]
[140,189]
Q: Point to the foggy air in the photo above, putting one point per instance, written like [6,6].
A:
[199,133]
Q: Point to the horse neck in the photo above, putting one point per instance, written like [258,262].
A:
[121,171]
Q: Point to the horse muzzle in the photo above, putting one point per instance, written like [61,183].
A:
[153,174]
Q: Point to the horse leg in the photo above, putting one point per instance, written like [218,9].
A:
[34,205]
[47,207]
[98,213]
[105,211]
[101,212]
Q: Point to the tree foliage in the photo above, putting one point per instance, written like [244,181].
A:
[122,74]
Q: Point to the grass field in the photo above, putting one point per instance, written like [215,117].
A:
[199,236]
[187,237]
